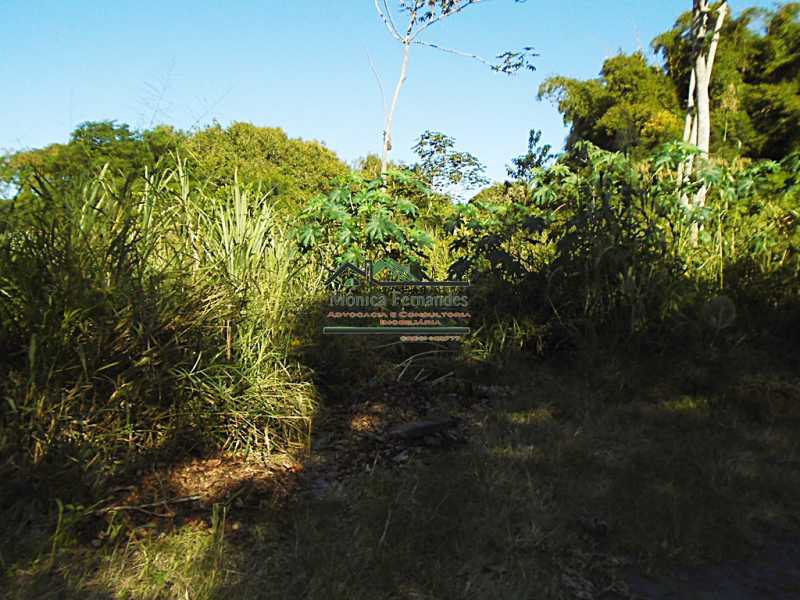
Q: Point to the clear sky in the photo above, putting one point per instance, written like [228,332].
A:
[302,65]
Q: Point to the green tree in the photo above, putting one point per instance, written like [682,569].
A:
[754,94]
[442,167]
[407,182]
[537,157]
[631,107]
[93,145]
[755,91]
[365,219]
[292,169]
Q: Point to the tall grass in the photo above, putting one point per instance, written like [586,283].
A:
[130,322]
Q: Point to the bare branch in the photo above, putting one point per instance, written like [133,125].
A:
[514,61]
[712,51]
[456,52]
[387,131]
[388,22]
[141,507]
[422,14]
[412,20]
[388,13]
[378,79]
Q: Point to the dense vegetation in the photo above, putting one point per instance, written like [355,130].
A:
[160,290]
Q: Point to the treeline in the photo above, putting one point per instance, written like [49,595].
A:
[266,155]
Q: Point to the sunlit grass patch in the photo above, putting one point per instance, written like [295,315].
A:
[535,416]
[688,405]
[189,562]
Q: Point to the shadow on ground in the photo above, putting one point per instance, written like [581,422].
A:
[580,482]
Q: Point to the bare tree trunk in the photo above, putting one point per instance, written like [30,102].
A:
[703,121]
[703,67]
[387,130]
[689,165]
[687,127]
[689,134]
[697,127]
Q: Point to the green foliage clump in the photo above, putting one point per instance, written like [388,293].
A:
[293,170]
[601,245]
[60,168]
[631,106]
[441,166]
[366,219]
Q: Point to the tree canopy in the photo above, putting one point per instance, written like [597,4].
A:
[91,146]
[266,155]
[293,168]
[631,105]
[755,91]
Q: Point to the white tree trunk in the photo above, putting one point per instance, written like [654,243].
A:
[703,68]
[687,126]
[697,127]
[387,130]
[689,134]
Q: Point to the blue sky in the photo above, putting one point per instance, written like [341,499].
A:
[303,65]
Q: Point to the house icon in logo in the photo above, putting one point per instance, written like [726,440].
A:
[367,275]
[350,270]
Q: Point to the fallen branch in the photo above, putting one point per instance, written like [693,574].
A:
[143,507]
[419,429]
